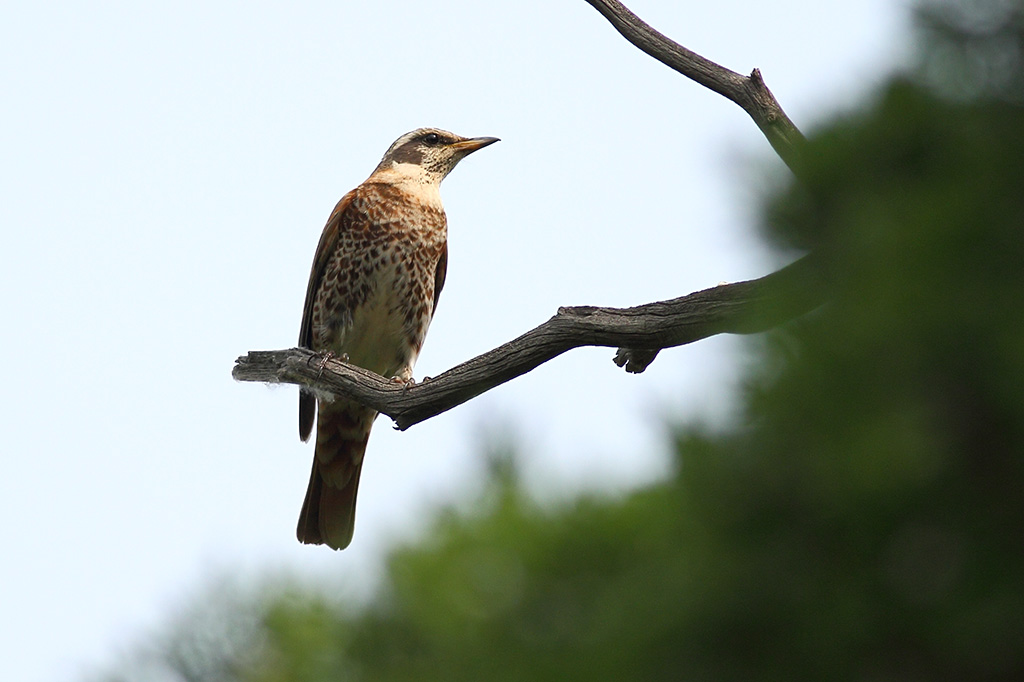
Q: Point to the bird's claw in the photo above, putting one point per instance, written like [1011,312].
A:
[406,382]
[326,357]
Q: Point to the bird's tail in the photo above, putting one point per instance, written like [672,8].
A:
[329,510]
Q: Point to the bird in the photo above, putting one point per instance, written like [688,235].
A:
[373,289]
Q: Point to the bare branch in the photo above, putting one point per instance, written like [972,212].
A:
[749,92]
[639,333]
[740,308]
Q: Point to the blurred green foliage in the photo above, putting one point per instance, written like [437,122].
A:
[972,48]
[864,520]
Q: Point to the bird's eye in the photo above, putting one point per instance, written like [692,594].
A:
[432,138]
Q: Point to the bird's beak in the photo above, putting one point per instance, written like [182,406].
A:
[473,143]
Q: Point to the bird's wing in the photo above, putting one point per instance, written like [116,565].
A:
[439,274]
[324,250]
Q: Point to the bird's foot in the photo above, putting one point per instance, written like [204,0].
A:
[321,358]
[405,381]
[326,357]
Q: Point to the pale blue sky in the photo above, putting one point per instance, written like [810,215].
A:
[165,172]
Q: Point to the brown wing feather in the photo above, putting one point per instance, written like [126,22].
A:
[439,274]
[328,242]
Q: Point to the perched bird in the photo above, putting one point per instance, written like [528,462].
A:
[376,278]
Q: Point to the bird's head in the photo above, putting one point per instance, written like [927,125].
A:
[429,154]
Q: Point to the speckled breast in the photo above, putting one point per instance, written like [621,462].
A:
[376,297]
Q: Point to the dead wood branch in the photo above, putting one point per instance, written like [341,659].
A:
[749,92]
[740,308]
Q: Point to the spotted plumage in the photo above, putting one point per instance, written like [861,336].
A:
[374,285]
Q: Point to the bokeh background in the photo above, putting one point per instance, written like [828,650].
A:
[799,505]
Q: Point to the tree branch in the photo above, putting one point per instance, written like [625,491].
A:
[749,92]
[639,333]
[740,308]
